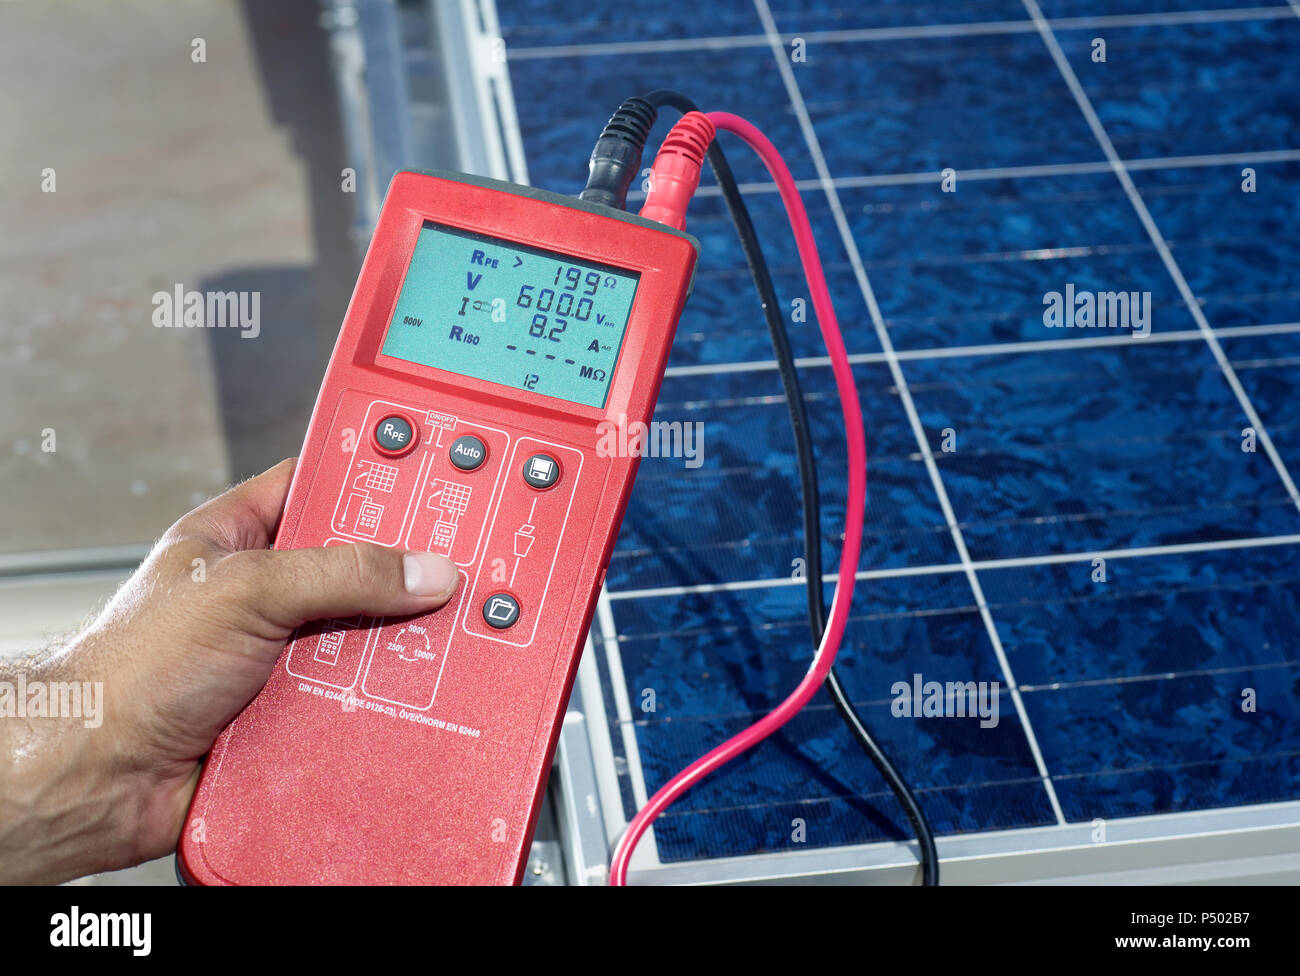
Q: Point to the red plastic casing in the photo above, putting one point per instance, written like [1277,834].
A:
[382,754]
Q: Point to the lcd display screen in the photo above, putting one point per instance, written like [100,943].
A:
[519,316]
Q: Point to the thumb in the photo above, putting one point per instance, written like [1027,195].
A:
[289,587]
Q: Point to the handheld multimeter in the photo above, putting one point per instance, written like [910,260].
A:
[493,333]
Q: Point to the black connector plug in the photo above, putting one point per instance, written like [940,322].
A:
[617,156]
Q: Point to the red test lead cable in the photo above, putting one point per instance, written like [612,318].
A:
[675,175]
[857,453]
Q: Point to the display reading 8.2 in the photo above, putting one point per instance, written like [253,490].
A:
[509,314]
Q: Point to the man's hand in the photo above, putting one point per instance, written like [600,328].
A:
[182,647]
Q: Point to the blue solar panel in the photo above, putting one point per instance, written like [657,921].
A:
[1077,451]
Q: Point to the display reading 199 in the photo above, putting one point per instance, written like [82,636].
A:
[509,314]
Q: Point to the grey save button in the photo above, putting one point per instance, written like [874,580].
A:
[541,471]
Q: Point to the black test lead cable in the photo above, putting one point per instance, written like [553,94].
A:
[614,164]
[798,413]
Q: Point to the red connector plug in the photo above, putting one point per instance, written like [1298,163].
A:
[676,171]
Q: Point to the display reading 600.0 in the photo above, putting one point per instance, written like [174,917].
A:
[509,314]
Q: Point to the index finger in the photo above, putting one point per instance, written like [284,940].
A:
[245,516]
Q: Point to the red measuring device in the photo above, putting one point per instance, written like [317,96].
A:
[495,334]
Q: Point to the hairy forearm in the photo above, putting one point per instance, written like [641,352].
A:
[183,646]
[69,804]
